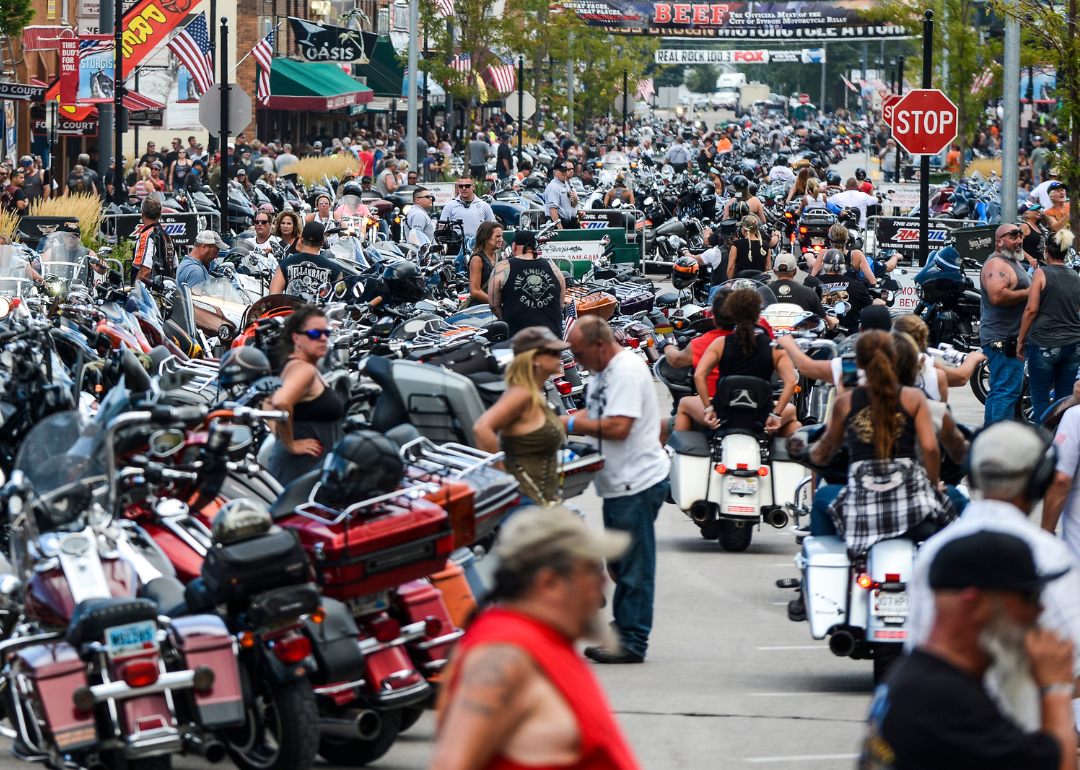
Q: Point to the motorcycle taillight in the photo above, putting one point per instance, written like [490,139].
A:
[139,673]
[291,647]
[385,629]
[563,387]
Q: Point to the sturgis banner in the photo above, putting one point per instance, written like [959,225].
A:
[320,42]
[772,21]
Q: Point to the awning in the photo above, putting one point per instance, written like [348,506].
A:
[82,120]
[383,72]
[313,87]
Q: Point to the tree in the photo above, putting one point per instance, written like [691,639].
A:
[14,15]
[701,78]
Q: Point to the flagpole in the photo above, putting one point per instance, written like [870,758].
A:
[411,128]
[252,50]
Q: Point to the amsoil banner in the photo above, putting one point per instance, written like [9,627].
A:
[902,234]
[147,25]
[182,228]
[771,21]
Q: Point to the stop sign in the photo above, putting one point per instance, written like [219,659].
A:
[924,121]
[804,98]
[887,105]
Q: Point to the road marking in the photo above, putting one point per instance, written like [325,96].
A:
[797,647]
[802,758]
[781,604]
[786,694]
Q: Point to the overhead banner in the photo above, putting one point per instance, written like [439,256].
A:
[147,24]
[321,42]
[69,70]
[761,56]
[774,21]
[97,56]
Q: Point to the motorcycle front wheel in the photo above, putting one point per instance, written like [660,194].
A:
[281,728]
[354,752]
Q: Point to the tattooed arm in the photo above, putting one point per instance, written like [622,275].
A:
[489,705]
[999,279]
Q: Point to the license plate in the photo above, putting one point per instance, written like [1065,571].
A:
[132,639]
[890,603]
[366,605]
[742,486]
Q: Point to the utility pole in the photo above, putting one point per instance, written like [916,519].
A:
[862,76]
[105,111]
[570,86]
[924,168]
[223,59]
[521,106]
[119,116]
[414,45]
[625,104]
[1010,144]
[824,57]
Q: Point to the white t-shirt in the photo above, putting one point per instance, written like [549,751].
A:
[625,389]
[777,173]
[1067,440]
[1042,195]
[856,198]
[713,257]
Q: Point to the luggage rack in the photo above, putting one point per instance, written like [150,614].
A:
[331,517]
[465,459]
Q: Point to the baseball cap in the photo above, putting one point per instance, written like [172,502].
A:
[535,337]
[525,238]
[313,231]
[210,238]
[834,259]
[1025,445]
[431,150]
[562,165]
[535,534]
[875,317]
[1027,206]
[72,228]
[785,261]
[992,561]
[1054,186]
[316,145]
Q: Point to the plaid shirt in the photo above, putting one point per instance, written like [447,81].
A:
[883,499]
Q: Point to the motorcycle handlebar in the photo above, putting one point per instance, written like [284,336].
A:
[192,415]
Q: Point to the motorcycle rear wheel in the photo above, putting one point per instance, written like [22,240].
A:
[281,728]
[354,752]
[980,382]
[735,538]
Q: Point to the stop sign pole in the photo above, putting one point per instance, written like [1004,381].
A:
[924,169]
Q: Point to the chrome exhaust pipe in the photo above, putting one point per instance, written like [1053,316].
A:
[842,643]
[777,517]
[701,512]
[365,724]
[211,750]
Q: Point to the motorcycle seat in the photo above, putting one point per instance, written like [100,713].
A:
[690,443]
[297,493]
[168,593]
[922,531]
[93,616]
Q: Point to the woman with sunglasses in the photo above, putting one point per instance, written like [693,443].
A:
[489,243]
[315,410]
[521,423]
[287,229]
[179,170]
[321,214]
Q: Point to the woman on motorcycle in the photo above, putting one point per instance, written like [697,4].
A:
[287,228]
[840,238]
[814,198]
[931,380]
[322,213]
[521,424]
[748,253]
[690,411]
[620,192]
[882,423]
[798,190]
[315,410]
[489,242]
[748,351]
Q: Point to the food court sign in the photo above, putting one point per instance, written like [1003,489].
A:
[146,26]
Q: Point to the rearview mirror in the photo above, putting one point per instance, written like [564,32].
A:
[165,443]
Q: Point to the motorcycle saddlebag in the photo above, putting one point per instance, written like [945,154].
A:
[203,640]
[470,358]
[455,497]
[418,601]
[56,671]
[278,605]
[496,493]
[334,643]
[235,571]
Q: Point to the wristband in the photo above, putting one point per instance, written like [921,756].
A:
[774,414]
[710,409]
[1058,688]
[570,424]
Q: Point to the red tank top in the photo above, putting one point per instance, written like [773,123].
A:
[603,746]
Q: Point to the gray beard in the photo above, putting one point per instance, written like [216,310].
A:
[1015,256]
[1009,680]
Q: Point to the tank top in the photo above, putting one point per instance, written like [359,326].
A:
[859,426]
[320,419]
[1058,321]
[1033,242]
[485,270]
[698,346]
[733,361]
[533,458]
[180,172]
[530,295]
[927,380]
[998,321]
[749,255]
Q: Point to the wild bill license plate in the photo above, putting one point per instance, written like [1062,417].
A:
[890,603]
[744,486]
[132,639]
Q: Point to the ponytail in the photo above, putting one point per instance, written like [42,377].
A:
[875,354]
[1058,244]
[744,308]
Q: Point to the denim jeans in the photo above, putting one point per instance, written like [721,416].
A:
[635,573]
[1051,368]
[821,522]
[1006,384]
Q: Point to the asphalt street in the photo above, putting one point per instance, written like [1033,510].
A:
[729,681]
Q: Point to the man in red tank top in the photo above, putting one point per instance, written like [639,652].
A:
[518,694]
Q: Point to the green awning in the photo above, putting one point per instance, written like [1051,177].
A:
[383,72]
[313,87]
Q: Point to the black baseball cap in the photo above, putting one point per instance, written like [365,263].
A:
[991,561]
[875,317]
[561,165]
[313,232]
[525,239]
[1054,186]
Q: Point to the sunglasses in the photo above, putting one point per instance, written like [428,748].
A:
[422,197]
[316,334]
[262,221]
[464,186]
[1013,233]
[549,352]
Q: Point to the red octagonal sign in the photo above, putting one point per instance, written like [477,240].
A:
[924,121]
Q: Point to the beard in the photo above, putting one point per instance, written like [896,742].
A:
[1015,256]
[1009,680]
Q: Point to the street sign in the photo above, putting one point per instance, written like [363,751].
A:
[887,103]
[924,121]
[52,121]
[528,102]
[630,104]
[239,110]
[804,98]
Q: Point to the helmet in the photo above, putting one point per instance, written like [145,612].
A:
[782,159]
[683,273]
[817,164]
[405,281]
[752,188]
[352,188]
[362,465]
[832,178]
[738,210]
[833,261]
[241,519]
[740,183]
[242,367]
[860,174]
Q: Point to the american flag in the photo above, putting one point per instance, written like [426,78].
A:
[92,47]
[264,53]
[849,84]
[982,81]
[504,76]
[192,48]
[645,89]
[445,8]
[462,62]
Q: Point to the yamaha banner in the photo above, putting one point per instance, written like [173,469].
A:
[321,42]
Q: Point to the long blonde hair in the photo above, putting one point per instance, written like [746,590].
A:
[812,186]
[520,373]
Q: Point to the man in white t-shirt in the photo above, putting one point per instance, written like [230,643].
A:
[1063,499]
[624,417]
[853,196]
[1041,193]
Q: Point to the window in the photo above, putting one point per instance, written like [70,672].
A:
[382,24]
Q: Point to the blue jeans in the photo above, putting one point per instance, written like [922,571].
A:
[821,522]
[1051,368]
[635,573]
[1006,384]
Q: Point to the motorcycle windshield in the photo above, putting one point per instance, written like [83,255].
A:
[145,304]
[350,206]
[220,288]
[64,257]
[14,279]
[350,250]
[64,462]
